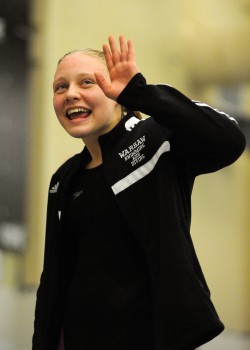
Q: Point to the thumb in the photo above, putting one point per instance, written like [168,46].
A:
[102,82]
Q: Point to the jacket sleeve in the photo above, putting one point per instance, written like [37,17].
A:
[204,138]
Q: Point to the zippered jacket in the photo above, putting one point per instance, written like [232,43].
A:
[150,165]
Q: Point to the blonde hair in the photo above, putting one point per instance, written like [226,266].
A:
[99,55]
[90,52]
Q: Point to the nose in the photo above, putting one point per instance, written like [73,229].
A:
[72,93]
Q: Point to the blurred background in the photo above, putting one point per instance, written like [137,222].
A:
[200,47]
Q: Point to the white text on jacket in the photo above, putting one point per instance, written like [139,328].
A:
[133,152]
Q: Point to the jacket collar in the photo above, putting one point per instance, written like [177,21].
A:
[116,132]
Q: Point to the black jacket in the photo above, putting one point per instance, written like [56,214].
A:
[150,166]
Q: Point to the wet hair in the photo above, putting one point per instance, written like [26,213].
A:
[99,55]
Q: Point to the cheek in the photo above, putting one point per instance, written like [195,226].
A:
[110,104]
[57,105]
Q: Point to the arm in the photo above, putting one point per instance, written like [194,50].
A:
[204,138]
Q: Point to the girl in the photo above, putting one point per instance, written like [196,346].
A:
[120,270]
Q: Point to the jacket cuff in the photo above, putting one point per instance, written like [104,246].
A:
[138,79]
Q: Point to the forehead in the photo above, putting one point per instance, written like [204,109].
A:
[79,62]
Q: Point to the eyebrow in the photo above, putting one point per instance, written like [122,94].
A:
[77,76]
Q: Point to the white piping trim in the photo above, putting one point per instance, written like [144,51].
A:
[201,104]
[142,171]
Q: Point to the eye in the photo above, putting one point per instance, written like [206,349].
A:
[60,87]
[87,82]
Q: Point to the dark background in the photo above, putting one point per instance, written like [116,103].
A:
[15,32]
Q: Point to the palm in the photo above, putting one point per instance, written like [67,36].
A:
[121,66]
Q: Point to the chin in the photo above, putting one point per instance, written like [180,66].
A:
[75,132]
[77,135]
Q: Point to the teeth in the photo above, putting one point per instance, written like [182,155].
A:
[77,110]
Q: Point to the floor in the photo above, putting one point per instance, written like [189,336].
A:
[17,315]
[229,341]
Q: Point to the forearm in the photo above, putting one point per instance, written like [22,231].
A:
[200,131]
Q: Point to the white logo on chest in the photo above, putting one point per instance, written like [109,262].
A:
[130,124]
[77,194]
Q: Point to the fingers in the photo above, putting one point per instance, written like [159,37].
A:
[115,55]
[123,48]
[108,57]
[127,49]
[131,51]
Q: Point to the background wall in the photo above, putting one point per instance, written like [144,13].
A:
[201,48]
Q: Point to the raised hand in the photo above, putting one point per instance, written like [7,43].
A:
[121,66]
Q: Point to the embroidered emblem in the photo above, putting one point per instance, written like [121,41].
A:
[77,194]
[130,124]
[54,189]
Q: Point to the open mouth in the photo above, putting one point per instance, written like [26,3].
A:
[77,113]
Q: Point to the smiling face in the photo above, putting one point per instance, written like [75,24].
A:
[80,104]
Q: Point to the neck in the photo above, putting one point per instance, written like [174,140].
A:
[94,149]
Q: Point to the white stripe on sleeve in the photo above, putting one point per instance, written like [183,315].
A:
[201,104]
